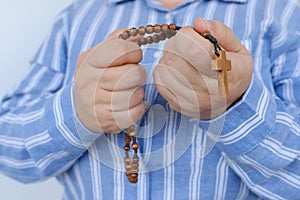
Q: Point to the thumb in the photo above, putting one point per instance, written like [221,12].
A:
[222,33]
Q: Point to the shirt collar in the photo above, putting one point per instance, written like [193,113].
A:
[229,1]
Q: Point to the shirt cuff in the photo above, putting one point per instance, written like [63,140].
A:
[244,125]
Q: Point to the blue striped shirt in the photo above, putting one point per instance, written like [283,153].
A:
[250,152]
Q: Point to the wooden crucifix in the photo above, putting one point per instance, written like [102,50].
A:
[222,65]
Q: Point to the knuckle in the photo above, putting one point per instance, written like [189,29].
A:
[83,55]
[168,58]
[128,52]
[135,97]
[142,74]
[138,112]
[161,89]
[136,74]
[140,92]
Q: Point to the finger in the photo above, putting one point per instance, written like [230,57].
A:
[225,36]
[179,104]
[122,77]
[177,92]
[188,66]
[168,77]
[127,99]
[199,107]
[114,52]
[126,118]
[196,50]
[120,100]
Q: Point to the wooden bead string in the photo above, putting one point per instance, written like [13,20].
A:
[146,35]
[131,165]
[154,34]
[158,33]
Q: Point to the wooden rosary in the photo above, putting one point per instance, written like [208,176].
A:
[154,34]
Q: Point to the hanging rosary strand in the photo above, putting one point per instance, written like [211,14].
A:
[131,164]
[154,34]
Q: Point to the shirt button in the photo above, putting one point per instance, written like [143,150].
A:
[156,54]
[168,17]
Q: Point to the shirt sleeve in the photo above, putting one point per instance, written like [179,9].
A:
[260,134]
[40,134]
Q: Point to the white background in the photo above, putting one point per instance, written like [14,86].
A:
[24,25]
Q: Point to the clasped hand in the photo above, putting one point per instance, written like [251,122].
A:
[108,92]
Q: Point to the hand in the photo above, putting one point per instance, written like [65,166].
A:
[184,76]
[108,91]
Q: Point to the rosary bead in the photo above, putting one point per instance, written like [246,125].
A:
[141,30]
[162,36]
[128,173]
[173,27]
[135,146]
[125,35]
[130,129]
[165,27]
[135,159]
[133,133]
[127,160]
[205,33]
[134,171]
[126,148]
[127,139]
[133,32]
[170,34]
[128,167]
[135,165]
[149,39]
[133,179]
[155,38]
[141,42]
[157,28]
[149,29]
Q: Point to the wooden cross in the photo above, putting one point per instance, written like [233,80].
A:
[222,66]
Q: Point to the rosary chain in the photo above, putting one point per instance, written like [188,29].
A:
[143,36]
[131,165]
